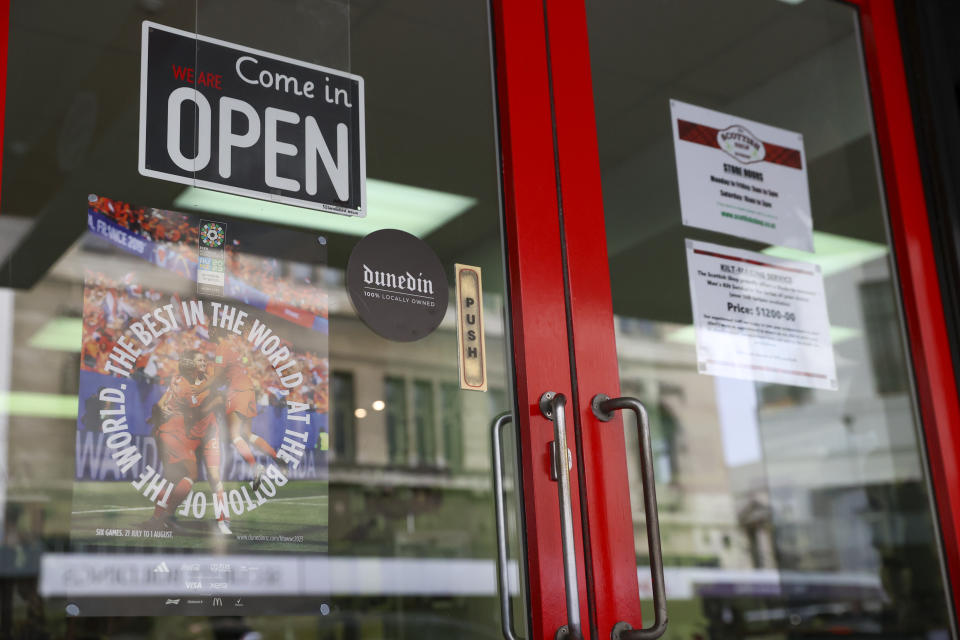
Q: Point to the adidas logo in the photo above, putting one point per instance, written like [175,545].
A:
[161,568]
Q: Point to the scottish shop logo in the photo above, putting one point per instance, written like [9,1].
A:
[740,144]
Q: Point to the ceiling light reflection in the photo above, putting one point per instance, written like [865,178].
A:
[389,206]
[832,252]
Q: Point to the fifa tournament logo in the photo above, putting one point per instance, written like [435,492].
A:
[211,271]
[211,235]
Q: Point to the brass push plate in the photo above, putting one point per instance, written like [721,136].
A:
[470,328]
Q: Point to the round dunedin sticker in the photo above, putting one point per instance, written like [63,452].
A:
[397,285]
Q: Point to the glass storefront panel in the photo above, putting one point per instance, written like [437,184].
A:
[382,524]
[786,510]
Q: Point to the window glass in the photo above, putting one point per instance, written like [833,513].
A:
[452,426]
[395,391]
[786,510]
[359,543]
[344,422]
[424,420]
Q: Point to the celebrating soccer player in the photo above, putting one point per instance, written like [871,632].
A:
[186,421]
[230,365]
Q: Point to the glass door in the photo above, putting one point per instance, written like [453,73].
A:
[204,432]
[738,223]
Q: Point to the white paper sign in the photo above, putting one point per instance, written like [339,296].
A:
[760,318]
[741,177]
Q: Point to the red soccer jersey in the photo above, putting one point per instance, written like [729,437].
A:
[232,362]
[182,396]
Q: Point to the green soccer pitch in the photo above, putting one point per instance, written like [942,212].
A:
[297,512]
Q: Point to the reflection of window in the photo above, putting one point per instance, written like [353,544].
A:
[781,395]
[664,428]
[423,418]
[663,441]
[395,392]
[883,336]
[344,425]
[452,426]
[498,401]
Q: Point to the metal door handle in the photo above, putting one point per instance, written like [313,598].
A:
[503,575]
[552,406]
[603,408]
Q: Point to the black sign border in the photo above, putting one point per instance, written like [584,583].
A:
[359,212]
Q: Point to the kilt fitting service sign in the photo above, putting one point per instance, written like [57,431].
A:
[203,386]
[230,118]
[760,318]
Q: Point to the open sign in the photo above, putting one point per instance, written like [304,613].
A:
[230,118]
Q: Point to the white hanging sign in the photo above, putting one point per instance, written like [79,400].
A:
[759,317]
[741,177]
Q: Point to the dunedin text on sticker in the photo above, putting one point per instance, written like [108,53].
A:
[741,177]
[759,317]
[230,118]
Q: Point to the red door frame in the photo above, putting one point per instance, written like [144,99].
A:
[535,261]
[4,36]
[615,586]
[535,243]
[933,367]
[611,553]
[539,333]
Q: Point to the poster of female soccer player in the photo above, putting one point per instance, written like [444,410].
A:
[203,385]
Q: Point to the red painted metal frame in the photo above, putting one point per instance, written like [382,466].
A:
[615,586]
[919,282]
[4,39]
[612,551]
[536,291]
[540,332]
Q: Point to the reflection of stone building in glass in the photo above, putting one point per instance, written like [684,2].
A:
[823,488]
[409,451]
[410,461]
[751,477]
[700,495]
[760,486]
[399,405]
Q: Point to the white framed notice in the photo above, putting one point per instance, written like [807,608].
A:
[741,177]
[759,318]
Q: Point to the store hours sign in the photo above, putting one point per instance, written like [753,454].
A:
[230,118]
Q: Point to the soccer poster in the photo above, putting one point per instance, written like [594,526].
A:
[203,385]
